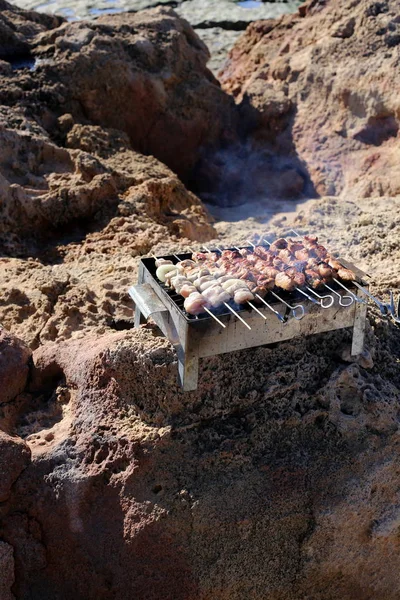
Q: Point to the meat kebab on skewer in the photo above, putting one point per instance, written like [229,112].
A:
[214,286]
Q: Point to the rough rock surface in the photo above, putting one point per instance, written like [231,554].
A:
[277,478]
[14,369]
[322,85]
[47,187]
[6,571]
[18,28]
[238,490]
[144,74]
[218,24]
[14,458]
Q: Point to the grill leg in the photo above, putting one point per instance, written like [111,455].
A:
[188,367]
[139,318]
[357,345]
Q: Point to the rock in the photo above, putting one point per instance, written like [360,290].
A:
[152,60]
[7,571]
[74,185]
[148,205]
[364,359]
[14,366]
[19,27]
[328,67]
[181,469]
[14,458]
[229,15]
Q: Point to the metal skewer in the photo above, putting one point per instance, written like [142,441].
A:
[237,315]
[354,296]
[292,308]
[382,307]
[341,298]
[322,298]
[214,317]
[282,319]
[205,308]
[395,312]
[310,298]
[256,309]
[231,309]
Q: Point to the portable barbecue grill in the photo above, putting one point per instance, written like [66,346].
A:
[273,321]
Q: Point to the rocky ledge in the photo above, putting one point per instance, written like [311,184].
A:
[278,477]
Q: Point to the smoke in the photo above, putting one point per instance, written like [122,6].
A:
[244,173]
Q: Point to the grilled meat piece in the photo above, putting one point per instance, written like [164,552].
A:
[334,263]
[242,296]
[262,253]
[186,290]
[313,279]
[302,254]
[346,274]
[325,271]
[297,276]
[278,244]
[285,282]
[216,295]
[195,303]
[286,256]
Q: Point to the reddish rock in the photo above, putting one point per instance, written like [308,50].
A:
[18,28]
[6,571]
[148,483]
[144,74]
[321,86]
[14,458]
[14,366]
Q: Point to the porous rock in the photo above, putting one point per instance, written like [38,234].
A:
[253,467]
[14,458]
[14,366]
[18,28]
[144,74]
[6,571]
[330,70]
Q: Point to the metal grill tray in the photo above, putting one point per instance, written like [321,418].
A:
[289,297]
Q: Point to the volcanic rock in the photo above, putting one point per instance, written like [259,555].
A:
[7,571]
[322,84]
[46,187]
[14,458]
[14,366]
[144,74]
[182,477]
[19,27]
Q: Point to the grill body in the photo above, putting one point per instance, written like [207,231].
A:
[196,338]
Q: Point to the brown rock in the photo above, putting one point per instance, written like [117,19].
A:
[19,27]
[144,74]
[74,185]
[14,366]
[249,469]
[14,458]
[7,571]
[330,70]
